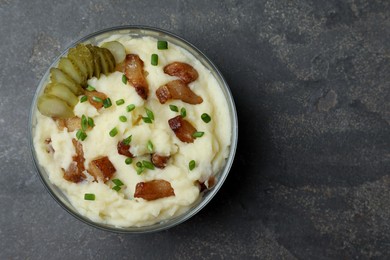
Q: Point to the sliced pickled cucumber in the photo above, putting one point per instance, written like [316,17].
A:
[103,61]
[63,92]
[110,58]
[53,106]
[117,50]
[96,61]
[57,75]
[84,53]
[79,62]
[67,66]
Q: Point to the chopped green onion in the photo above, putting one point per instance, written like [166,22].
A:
[83,99]
[150,146]
[139,164]
[149,113]
[124,79]
[90,88]
[113,132]
[91,123]
[89,196]
[84,123]
[117,182]
[128,160]
[183,112]
[127,140]
[147,120]
[116,188]
[162,45]
[148,165]
[97,99]
[140,170]
[81,135]
[120,102]
[122,118]
[174,108]
[107,103]
[205,117]
[154,59]
[191,165]
[198,134]
[130,107]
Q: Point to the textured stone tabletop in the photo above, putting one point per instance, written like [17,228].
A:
[311,81]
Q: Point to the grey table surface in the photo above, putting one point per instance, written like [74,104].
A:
[311,81]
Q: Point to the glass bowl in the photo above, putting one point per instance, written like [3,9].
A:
[206,196]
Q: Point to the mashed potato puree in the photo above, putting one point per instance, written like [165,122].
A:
[209,152]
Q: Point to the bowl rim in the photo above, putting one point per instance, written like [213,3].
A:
[169,223]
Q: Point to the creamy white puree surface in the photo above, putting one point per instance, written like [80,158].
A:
[121,209]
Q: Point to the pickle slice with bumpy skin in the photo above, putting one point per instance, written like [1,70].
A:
[57,75]
[53,106]
[103,61]
[117,50]
[96,61]
[67,66]
[63,92]
[110,58]
[79,62]
[85,54]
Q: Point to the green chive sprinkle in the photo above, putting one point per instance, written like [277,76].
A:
[148,165]
[123,119]
[97,99]
[183,112]
[127,140]
[89,196]
[205,117]
[174,108]
[162,45]
[91,123]
[191,165]
[147,120]
[124,79]
[139,164]
[116,188]
[83,99]
[117,182]
[198,134]
[154,59]
[84,123]
[130,107]
[81,135]
[140,170]
[107,103]
[150,146]
[119,102]
[113,132]
[149,113]
[90,88]
[128,160]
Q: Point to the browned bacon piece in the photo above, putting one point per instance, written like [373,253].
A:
[91,94]
[72,124]
[210,184]
[101,169]
[177,89]
[133,68]
[123,149]
[181,70]
[159,161]
[153,190]
[74,173]
[182,129]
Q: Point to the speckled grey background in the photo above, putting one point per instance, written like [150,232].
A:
[311,80]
